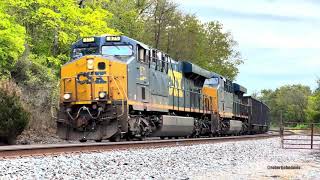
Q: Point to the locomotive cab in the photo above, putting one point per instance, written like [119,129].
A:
[210,89]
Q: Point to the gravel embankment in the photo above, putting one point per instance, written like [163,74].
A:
[49,136]
[240,160]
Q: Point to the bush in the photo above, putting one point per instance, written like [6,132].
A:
[13,117]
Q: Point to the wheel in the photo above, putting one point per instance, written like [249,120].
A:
[128,137]
[162,138]
[11,140]
[115,138]
[98,140]
[141,138]
[83,140]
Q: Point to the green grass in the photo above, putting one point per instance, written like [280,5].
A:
[301,126]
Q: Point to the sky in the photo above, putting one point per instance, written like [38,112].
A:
[278,39]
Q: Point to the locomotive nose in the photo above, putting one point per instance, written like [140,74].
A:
[92,78]
[84,80]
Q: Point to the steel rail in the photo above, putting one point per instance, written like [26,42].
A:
[16,151]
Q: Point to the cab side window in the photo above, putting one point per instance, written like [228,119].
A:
[147,56]
[153,56]
[158,61]
[142,54]
[163,63]
[166,64]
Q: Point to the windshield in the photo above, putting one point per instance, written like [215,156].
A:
[211,82]
[79,52]
[117,50]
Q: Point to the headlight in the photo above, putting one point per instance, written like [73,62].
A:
[102,95]
[90,64]
[67,96]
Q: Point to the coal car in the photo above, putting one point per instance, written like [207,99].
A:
[258,115]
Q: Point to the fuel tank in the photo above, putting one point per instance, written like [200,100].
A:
[175,126]
[235,126]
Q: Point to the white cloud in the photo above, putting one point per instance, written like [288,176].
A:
[290,8]
[282,62]
[270,34]
[271,68]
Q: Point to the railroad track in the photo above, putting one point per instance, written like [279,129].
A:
[16,151]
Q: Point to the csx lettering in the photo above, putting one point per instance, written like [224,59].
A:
[88,77]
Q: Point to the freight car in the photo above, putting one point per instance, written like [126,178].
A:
[116,87]
[258,115]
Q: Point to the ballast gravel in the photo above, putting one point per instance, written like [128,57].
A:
[254,159]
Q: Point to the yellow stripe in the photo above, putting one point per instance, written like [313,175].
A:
[87,102]
[82,102]
[167,107]
[226,114]
[159,106]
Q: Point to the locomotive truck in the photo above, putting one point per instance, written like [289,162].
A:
[116,87]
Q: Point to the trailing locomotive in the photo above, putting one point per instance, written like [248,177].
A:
[115,87]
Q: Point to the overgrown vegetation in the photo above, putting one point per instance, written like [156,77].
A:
[36,35]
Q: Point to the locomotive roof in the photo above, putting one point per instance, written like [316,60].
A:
[187,66]
[239,88]
[100,40]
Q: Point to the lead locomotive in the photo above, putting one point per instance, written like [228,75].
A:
[115,87]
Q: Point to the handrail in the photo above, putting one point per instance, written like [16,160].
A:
[121,90]
[91,76]
[122,96]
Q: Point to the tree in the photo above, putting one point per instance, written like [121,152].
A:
[313,108]
[294,100]
[290,100]
[222,55]
[126,17]
[12,39]
[318,86]
[157,15]
[185,37]
[52,25]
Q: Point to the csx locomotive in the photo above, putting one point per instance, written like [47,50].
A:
[116,87]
